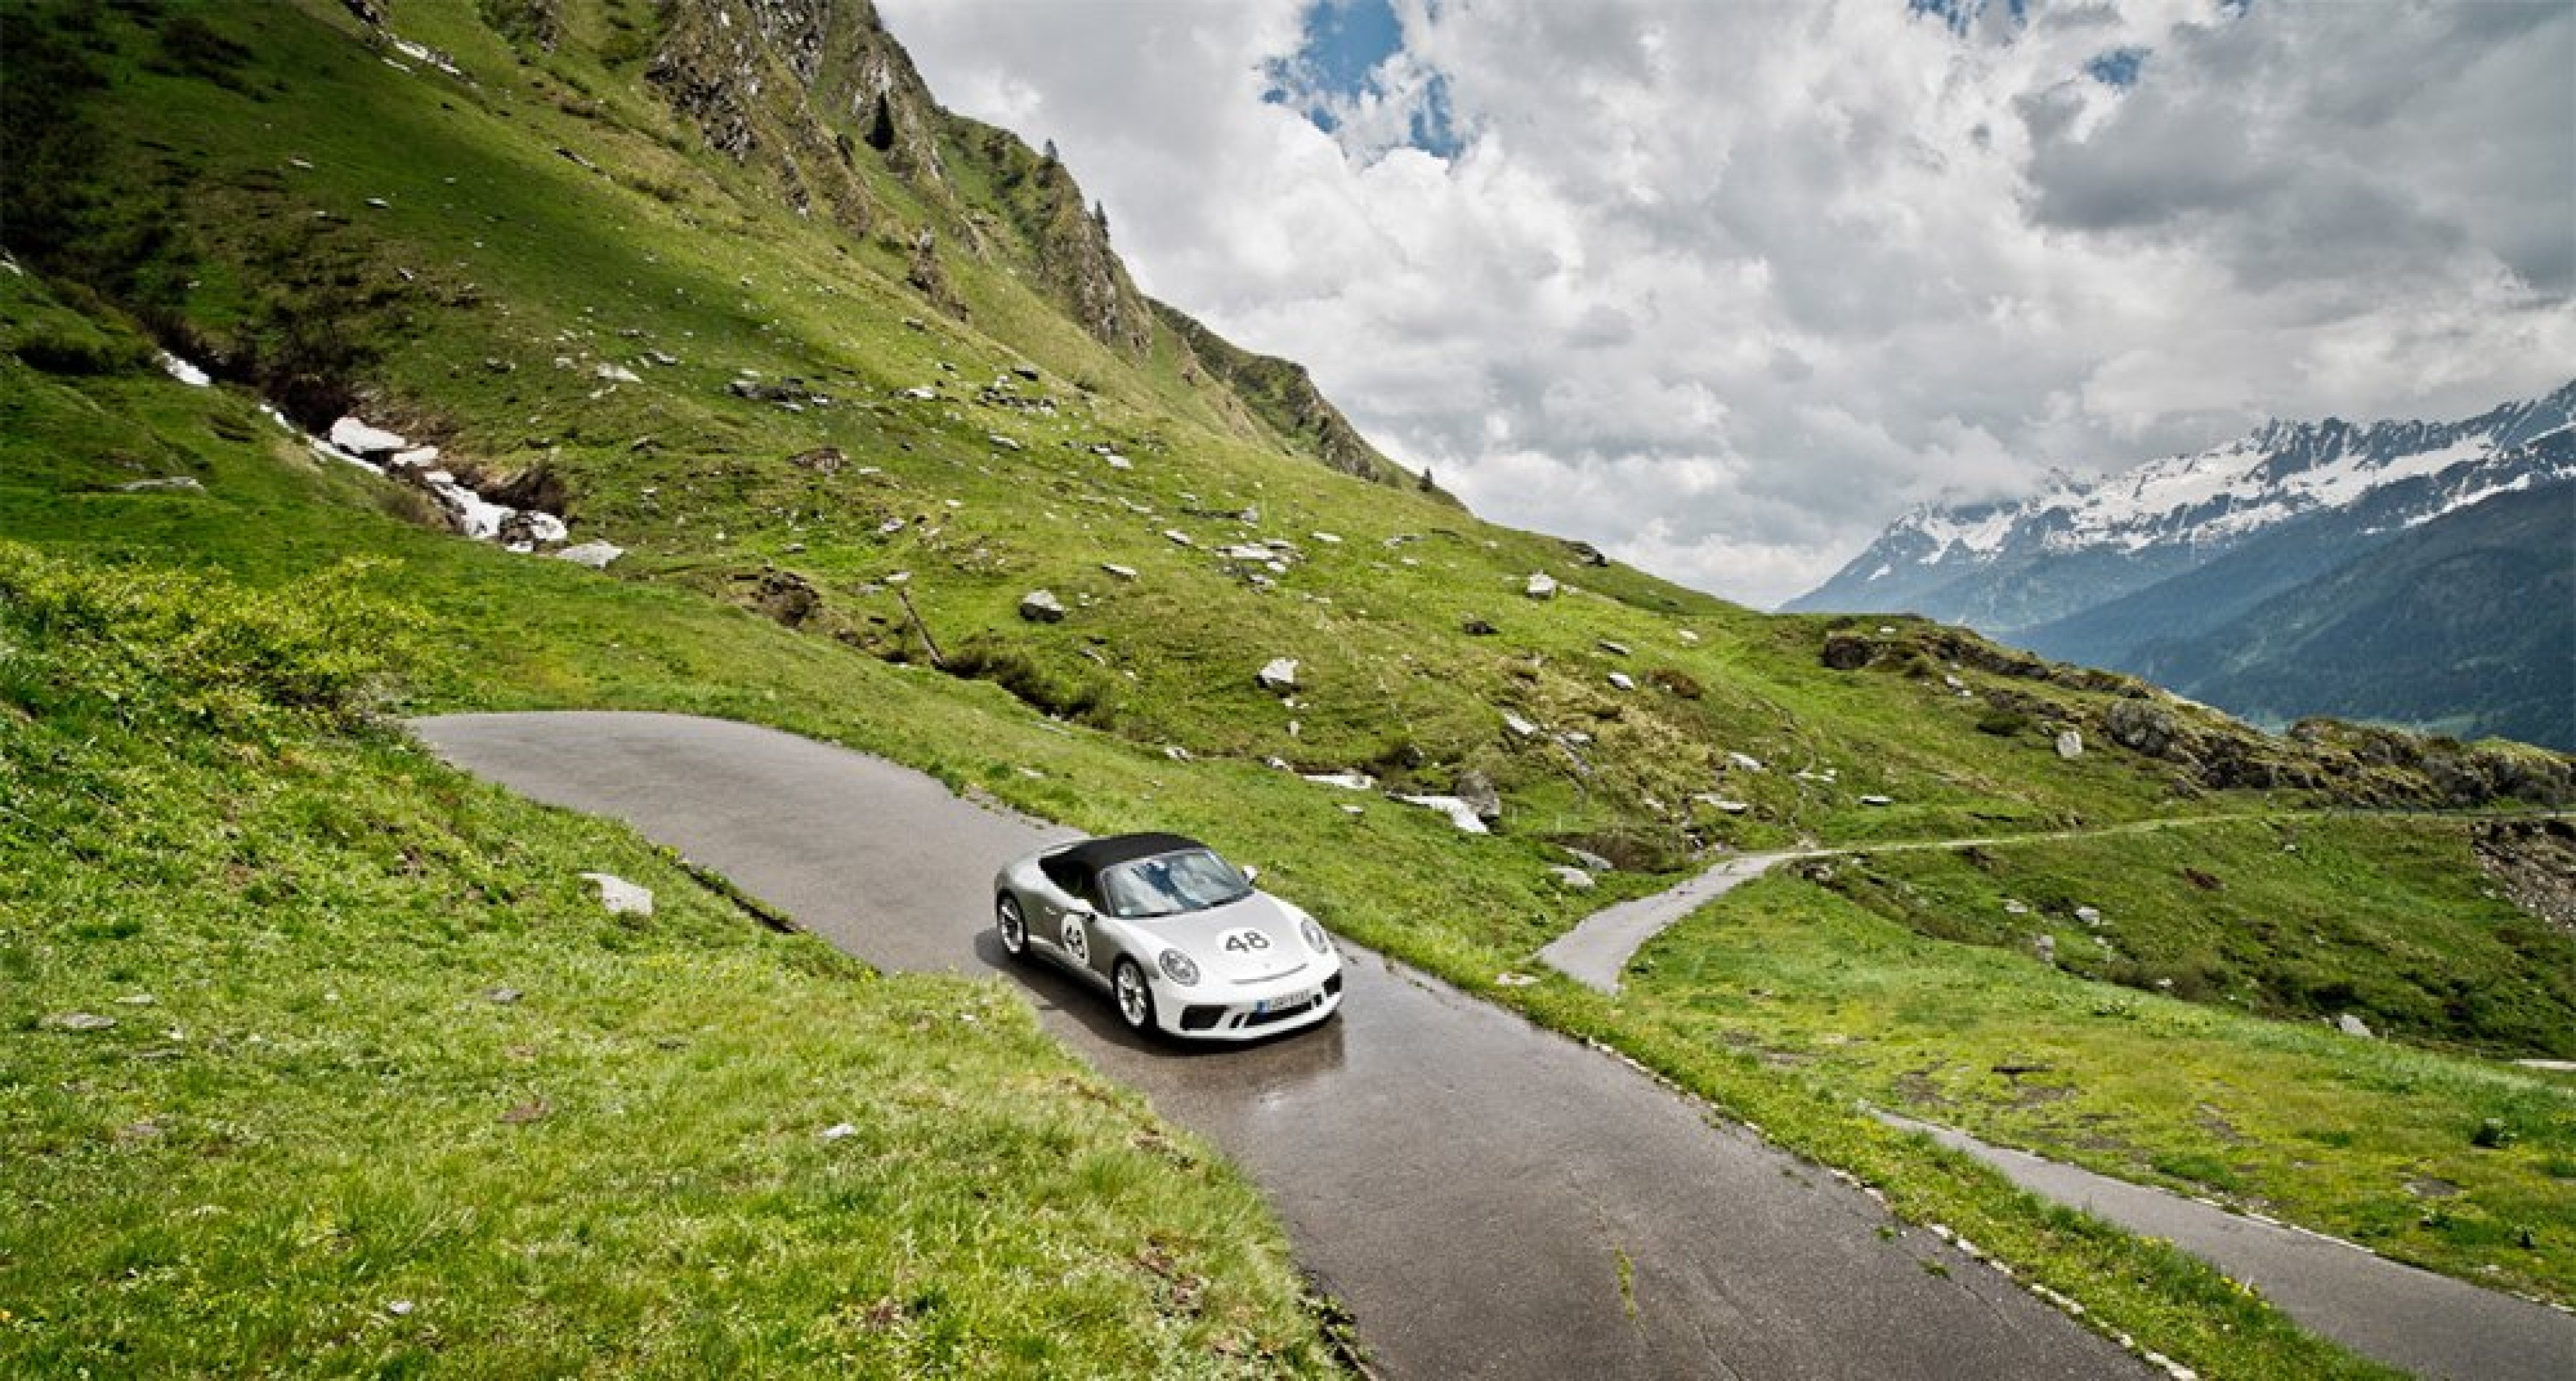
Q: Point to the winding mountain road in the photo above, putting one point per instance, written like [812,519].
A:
[2407,1317]
[1488,1199]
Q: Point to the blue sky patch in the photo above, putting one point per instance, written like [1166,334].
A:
[1342,51]
[2118,67]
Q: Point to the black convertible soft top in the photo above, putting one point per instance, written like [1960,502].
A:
[1085,861]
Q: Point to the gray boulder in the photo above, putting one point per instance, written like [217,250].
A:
[1041,606]
[1480,794]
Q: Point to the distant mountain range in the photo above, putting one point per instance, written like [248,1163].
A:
[2421,573]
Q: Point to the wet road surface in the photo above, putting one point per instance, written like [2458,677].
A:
[1488,1199]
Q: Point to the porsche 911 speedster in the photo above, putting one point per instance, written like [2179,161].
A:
[1181,938]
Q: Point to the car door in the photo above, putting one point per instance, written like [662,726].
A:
[1068,920]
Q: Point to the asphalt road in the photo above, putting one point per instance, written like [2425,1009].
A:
[1488,1199]
[2429,1324]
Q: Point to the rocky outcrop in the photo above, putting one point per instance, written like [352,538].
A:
[1283,397]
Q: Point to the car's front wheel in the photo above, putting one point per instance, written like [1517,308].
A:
[1013,926]
[1135,997]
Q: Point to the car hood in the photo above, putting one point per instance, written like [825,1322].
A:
[1245,941]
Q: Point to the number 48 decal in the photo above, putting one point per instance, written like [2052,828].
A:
[1246,941]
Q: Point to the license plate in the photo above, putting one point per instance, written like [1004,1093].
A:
[1286,1003]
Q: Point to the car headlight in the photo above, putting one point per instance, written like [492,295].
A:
[1177,967]
[1314,935]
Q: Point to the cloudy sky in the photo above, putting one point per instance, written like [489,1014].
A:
[1723,286]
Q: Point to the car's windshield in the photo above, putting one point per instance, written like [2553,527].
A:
[1168,884]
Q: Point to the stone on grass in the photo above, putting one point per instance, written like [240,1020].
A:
[1480,794]
[1520,727]
[2089,915]
[1575,878]
[1041,606]
[1586,859]
[1878,800]
[183,483]
[1540,586]
[596,555]
[2070,745]
[1746,761]
[79,1021]
[1279,674]
[1347,781]
[1122,572]
[2352,1025]
[622,898]
[1623,681]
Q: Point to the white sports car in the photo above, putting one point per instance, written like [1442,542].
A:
[1180,937]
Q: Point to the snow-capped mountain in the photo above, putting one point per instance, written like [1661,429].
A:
[2006,567]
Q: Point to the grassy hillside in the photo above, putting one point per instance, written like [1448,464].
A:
[320,1056]
[566,281]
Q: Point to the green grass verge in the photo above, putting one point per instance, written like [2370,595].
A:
[386,1088]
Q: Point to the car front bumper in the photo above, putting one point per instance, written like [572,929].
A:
[1249,1011]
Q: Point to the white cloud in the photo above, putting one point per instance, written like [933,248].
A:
[1721,287]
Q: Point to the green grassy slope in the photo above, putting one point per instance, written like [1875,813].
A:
[381,1085]
[479,304]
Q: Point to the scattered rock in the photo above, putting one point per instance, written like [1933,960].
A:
[1347,781]
[1844,652]
[1480,794]
[1746,761]
[137,1000]
[1514,980]
[618,374]
[1330,539]
[1587,553]
[1588,860]
[1041,606]
[2070,744]
[2352,1025]
[1723,805]
[1615,649]
[79,1021]
[1475,627]
[1026,371]
[1279,675]
[1520,727]
[1623,680]
[2045,946]
[177,483]
[1122,572]
[1688,637]
[1178,537]
[622,898]
[2089,915]
[1575,878]
[596,555]
[1878,800]
[399,1308]
[2015,908]
[2142,727]
[839,1130]
[1003,442]
[825,460]
[1540,586]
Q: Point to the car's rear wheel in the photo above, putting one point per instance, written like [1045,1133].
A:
[1014,927]
[1135,997]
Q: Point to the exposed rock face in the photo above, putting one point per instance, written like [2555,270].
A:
[742,71]
[2142,727]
